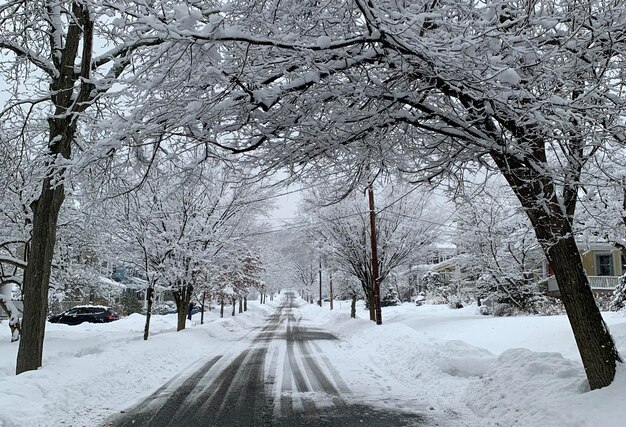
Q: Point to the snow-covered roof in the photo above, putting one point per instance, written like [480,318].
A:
[444,245]
[443,265]
[110,282]
[450,262]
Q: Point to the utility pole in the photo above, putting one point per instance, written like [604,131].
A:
[375,274]
[320,282]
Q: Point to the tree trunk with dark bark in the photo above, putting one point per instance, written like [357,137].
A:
[222,307]
[182,297]
[67,103]
[245,303]
[181,315]
[149,298]
[551,221]
[595,343]
[330,285]
[202,312]
[234,304]
[37,274]
[240,305]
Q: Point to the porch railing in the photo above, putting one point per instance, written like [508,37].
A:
[596,282]
[603,282]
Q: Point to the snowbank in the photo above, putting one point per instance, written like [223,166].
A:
[468,369]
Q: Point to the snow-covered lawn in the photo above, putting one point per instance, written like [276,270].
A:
[460,368]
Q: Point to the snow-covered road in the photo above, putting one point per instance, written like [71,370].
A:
[283,378]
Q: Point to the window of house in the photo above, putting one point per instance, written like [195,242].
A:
[604,265]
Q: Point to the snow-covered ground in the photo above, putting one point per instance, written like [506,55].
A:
[460,368]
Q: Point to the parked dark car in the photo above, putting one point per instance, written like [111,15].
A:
[86,313]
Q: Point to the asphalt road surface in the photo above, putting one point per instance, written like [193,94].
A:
[282,379]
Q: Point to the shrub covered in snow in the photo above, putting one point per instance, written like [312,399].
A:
[129,304]
[539,304]
[390,298]
[618,300]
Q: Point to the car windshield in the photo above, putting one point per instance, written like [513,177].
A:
[72,311]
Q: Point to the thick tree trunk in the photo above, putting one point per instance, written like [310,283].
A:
[222,307]
[182,297]
[234,303]
[245,303]
[595,344]
[37,274]
[182,318]
[353,307]
[62,125]
[551,221]
[240,305]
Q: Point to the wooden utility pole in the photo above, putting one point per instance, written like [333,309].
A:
[320,282]
[377,310]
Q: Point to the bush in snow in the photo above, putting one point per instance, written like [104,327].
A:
[420,299]
[618,300]
[454,301]
[519,293]
[390,298]
[545,306]
[431,280]
[129,304]
[539,304]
